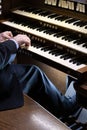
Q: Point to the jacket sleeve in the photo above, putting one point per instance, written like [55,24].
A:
[7,49]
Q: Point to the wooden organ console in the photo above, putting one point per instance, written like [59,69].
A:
[58,31]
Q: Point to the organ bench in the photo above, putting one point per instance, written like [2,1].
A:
[31,116]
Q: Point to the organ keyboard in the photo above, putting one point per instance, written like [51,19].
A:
[55,54]
[58,31]
[67,50]
[55,19]
[58,36]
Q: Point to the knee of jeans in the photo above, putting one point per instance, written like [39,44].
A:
[36,68]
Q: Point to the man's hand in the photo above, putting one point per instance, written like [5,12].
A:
[5,36]
[22,40]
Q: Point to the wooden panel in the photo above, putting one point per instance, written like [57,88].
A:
[57,77]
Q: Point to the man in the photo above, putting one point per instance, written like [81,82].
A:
[16,79]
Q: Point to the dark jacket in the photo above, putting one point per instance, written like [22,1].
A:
[11,95]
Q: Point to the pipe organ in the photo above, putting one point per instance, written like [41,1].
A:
[58,31]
